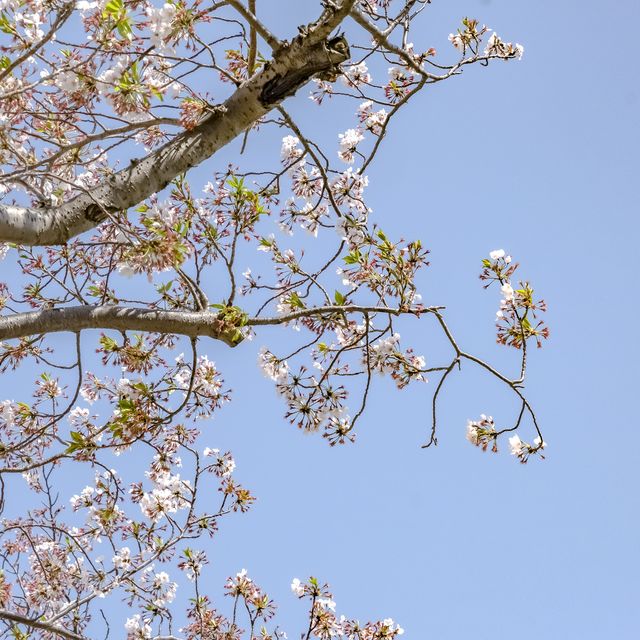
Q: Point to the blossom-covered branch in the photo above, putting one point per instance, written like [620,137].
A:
[292,67]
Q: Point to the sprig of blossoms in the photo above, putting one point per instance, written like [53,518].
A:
[348,190]
[137,628]
[518,308]
[161,22]
[523,450]
[356,74]
[384,357]
[159,588]
[398,85]
[482,433]
[349,140]
[203,387]
[469,36]
[326,625]
[290,150]
[224,464]
[501,49]
[169,495]
[192,563]
[258,603]
[373,121]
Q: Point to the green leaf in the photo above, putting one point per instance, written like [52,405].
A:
[116,10]
[108,344]
[124,27]
[353,257]
[6,26]
[77,443]
[113,8]
[294,301]
[156,93]
[164,288]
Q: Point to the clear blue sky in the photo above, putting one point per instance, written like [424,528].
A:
[450,542]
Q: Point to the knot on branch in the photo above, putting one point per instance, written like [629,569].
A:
[228,324]
[338,52]
[320,60]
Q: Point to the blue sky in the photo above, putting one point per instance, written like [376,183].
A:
[540,158]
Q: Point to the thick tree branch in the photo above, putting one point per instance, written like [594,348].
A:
[37,624]
[187,323]
[293,65]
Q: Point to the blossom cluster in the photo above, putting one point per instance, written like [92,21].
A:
[168,495]
[523,450]
[471,35]
[483,433]
[326,625]
[201,386]
[518,308]
[157,245]
[384,357]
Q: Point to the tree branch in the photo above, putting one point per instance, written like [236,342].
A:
[253,45]
[187,323]
[37,624]
[329,309]
[292,66]
[382,39]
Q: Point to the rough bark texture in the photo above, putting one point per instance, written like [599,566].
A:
[293,65]
[188,323]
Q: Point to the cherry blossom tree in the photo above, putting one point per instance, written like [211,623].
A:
[105,106]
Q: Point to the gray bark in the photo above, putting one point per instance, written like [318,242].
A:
[188,323]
